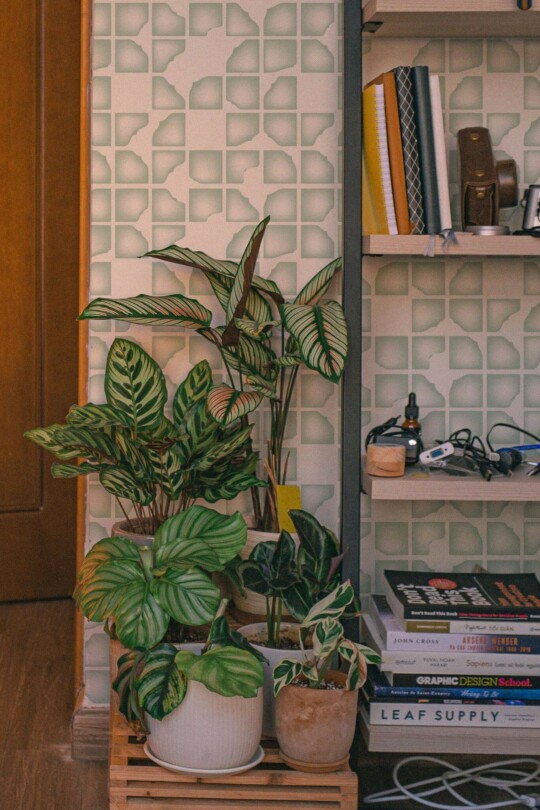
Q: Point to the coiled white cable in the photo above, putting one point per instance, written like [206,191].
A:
[494,775]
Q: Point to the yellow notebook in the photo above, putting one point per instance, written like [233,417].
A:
[377,194]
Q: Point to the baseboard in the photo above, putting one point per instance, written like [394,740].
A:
[89,731]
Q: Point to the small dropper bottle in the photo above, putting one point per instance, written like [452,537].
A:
[411,415]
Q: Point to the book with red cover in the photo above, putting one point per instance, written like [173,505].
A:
[428,594]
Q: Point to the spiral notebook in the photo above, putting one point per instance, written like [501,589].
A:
[377,183]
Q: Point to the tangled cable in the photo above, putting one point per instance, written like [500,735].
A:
[504,775]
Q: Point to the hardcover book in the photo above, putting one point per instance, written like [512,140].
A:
[427,595]
[426,147]
[395,638]
[409,139]
[462,715]
[377,175]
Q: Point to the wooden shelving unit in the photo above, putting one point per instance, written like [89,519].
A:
[467,245]
[436,485]
[453,18]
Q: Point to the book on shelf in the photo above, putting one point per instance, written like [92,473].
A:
[428,595]
[439,661]
[426,147]
[453,687]
[395,638]
[395,150]
[409,140]
[448,739]
[377,175]
[504,715]
[439,142]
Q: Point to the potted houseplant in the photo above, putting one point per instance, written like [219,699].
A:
[291,575]
[314,702]
[160,465]
[263,341]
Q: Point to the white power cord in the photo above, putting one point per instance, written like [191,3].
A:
[494,775]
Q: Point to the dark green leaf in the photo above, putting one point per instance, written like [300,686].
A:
[160,686]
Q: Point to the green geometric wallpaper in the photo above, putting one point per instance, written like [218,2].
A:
[463,333]
[207,116]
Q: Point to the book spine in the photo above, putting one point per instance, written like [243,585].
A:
[465,643]
[374,219]
[421,693]
[426,148]
[483,716]
[384,159]
[495,682]
[439,142]
[409,140]
[471,626]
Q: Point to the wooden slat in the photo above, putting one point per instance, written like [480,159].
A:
[467,245]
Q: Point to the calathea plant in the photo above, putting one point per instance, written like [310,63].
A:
[142,588]
[160,465]
[328,640]
[156,680]
[264,341]
[294,575]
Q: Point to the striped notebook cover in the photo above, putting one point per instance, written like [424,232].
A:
[440,153]
[377,175]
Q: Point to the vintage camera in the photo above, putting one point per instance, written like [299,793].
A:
[531,204]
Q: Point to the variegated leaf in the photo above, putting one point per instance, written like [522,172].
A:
[168,470]
[183,554]
[256,329]
[106,550]
[285,672]
[135,383]
[96,416]
[357,673]
[190,596]
[124,686]
[287,360]
[81,441]
[121,483]
[140,621]
[149,309]
[194,258]
[45,437]
[226,488]
[193,389]
[331,606]
[236,306]
[225,534]
[227,404]
[326,638]
[319,284]
[100,594]
[72,470]
[226,448]
[250,357]
[225,670]
[265,387]
[160,686]
[321,334]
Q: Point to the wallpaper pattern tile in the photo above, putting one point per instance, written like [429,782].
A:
[208,116]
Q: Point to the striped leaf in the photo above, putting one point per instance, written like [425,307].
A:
[321,335]
[236,306]
[225,670]
[326,637]
[190,596]
[219,487]
[149,309]
[95,416]
[265,387]
[72,470]
[319,284]
[133,455]
[45,437]
[193,389]
[227,404]
[225,534]
[124,686]
[160,686]
[285,672]
[256,329]
[332,606]
[101,592]
[194,258]
[140,622]
[135,384]
[287,360]
[357,674]
[183,554]
[249,356]
[226,448]
[105,551]
[122,484]
[168,470]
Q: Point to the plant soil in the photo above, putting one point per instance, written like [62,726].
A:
[262,640]
[325,685]
[179,634]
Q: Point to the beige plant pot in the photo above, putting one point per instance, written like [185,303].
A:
[252,606]
[142,537]
[252,632]
[315,727]
[208,731]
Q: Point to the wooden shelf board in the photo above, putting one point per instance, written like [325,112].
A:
[467,245]
[468,18]
[437,485]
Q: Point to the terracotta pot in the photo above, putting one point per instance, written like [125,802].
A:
[315,727]
[208,731]
[142,537]
[252,606]
[251,632]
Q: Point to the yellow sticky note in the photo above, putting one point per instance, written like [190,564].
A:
[288,497]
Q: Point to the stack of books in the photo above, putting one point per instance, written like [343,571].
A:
[460,667]
[405,176]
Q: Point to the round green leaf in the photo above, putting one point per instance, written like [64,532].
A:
[190,597]
[225,670]
[160,685]
[225,534]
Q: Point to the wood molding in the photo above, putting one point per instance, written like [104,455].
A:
[89,731]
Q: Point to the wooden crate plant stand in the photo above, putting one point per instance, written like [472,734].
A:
[136,783]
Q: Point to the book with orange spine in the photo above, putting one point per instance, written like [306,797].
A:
[377,175]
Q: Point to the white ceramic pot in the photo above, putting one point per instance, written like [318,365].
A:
[258,629]
[253,605]
[141,537]
[208,731]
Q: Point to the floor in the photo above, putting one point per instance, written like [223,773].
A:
[36,702]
